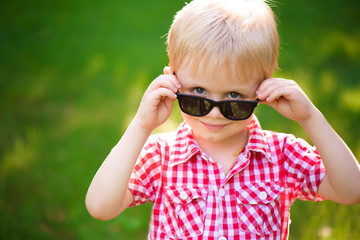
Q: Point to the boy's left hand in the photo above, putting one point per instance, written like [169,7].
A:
[287,98]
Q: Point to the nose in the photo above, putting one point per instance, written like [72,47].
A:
[215,113]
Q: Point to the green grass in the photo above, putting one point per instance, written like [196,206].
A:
[73,72]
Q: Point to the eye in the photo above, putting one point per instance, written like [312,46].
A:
[199,90]
[234,95]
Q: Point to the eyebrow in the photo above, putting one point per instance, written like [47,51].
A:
[241,94]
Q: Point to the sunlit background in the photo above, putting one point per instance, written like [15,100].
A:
[72,73]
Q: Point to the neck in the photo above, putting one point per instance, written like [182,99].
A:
[223,149]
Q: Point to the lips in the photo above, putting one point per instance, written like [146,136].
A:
[214,127]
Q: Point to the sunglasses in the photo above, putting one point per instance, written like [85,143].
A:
[199,106]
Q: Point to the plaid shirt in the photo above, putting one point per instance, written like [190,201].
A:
[193,198]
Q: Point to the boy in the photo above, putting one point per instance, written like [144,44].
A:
[220,176]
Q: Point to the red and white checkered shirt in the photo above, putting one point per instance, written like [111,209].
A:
[193,198]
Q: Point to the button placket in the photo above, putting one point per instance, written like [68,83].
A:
[220,195]
[222,192]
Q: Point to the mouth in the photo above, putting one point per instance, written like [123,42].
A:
[214,127]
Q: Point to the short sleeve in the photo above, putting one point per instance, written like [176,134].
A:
[146,174]
[305,169]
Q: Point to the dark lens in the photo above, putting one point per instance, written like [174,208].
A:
[205,107]
[194,106]
[233,110]
[237,110]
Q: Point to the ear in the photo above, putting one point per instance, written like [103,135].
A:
[167,71]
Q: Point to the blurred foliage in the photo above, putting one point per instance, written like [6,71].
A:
[73,72]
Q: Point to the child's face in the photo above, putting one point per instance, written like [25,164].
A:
[214,126]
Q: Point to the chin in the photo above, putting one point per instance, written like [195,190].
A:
[223,132]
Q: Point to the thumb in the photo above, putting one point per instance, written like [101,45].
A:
[273,104]
[167,71]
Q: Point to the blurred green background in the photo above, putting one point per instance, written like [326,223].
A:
[72,73]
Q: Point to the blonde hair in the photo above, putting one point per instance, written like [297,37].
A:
[239,36]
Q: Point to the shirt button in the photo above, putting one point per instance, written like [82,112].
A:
[221,192]
[183,195]
[262,195]
[222,238]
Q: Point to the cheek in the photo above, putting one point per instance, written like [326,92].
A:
[187,118]
[192,121]
[241,127]
[242,124]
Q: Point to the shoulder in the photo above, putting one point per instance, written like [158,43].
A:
[284,139]
[277,142]
[161,140]
[298,155]
[168,139]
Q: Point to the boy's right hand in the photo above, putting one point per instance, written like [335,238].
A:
[158,100]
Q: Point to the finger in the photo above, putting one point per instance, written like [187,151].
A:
[263,89]
[275,94]
[167,71]
[165,81]
[164,98]
[272,104]
[270,82]
[275,88]
[162,94]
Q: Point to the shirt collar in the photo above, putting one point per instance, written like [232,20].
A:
[257,139]
[185,145]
